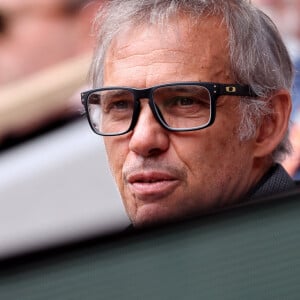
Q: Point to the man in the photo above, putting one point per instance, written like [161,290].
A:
[192,98]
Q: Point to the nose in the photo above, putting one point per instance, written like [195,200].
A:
[148,137]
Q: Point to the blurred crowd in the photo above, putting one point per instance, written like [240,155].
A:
[45,49]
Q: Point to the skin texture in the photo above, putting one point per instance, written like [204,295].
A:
[163,175]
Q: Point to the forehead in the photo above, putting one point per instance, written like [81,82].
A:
[180,33]
[180,49]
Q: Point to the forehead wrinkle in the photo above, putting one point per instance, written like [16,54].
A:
[194,57]
[151,62]
[182,43]
[159,54]
[160,57]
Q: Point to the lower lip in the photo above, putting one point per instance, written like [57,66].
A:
[153,191]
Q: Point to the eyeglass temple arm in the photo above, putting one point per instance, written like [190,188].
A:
[236,90]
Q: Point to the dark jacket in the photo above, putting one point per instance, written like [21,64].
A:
[275,181]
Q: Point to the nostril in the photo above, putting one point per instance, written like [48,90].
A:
[154,151]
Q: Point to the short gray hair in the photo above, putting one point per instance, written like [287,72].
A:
[258,55]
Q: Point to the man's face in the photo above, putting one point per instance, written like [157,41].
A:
[33,35]
[165,175]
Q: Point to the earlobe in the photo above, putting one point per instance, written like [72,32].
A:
[273,127]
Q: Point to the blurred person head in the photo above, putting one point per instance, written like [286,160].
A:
[35,34]
[192,98]
[285,14]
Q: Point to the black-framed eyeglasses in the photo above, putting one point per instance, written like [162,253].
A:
[180,106]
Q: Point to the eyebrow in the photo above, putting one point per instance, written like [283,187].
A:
[176,88]
[116,93]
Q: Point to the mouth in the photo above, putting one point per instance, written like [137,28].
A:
[149,186]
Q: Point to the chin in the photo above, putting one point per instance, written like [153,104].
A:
[152,214]
[150,218]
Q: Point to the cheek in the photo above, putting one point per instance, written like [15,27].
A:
[117,151]
[208,151]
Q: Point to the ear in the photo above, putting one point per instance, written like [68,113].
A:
[273,127]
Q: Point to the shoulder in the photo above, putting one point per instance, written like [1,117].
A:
[276,180]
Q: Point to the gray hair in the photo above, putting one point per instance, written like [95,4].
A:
[257,53]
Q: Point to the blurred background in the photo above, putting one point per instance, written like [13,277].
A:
[55,184]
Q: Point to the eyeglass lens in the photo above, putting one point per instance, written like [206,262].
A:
[177,107]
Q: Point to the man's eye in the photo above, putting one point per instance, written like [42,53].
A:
[121,104]
[184,101]
[118,105]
